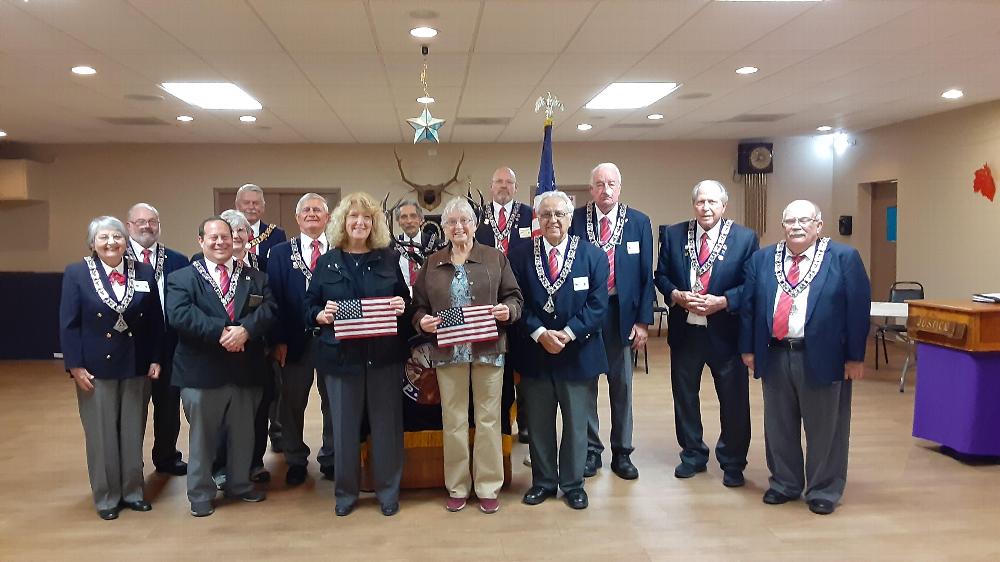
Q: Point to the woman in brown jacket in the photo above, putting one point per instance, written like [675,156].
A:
[468,274]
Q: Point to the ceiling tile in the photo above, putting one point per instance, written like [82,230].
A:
[514,26]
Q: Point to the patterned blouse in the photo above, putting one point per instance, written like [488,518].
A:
[461,296]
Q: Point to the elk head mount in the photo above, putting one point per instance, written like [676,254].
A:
[430,193]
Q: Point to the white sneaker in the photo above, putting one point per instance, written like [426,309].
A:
[527,460]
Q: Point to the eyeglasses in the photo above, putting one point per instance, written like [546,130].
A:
[452,223]
[804,221]
[550,216]
[143,222]
[103,238]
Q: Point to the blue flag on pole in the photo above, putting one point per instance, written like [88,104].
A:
[546,174]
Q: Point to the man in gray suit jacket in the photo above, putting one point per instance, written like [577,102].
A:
[221,312]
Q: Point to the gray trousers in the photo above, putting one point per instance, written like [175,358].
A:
[619,389]
[379,392]
[792,401]
[114,424]
[542,395]
[296,383]
[210,411]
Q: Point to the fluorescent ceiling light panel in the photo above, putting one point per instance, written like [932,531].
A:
[212,95]
[631,95]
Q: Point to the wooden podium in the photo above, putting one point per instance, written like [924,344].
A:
[958,374]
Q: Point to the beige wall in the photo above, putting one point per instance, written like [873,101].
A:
[947,234]
[83,181]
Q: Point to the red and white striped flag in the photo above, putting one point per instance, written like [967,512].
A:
[364,318]
[465,325]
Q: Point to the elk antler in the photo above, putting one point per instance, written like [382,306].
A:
[430,193]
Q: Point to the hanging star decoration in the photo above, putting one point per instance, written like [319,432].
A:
[425,127]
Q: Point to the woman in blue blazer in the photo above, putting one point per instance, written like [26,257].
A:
[111,329]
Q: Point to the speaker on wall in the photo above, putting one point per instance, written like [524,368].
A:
[846,225]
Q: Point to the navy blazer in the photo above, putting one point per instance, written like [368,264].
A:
[633,271]
[86,325]
[484,233]
[582,310]
[334,279]
[673,271]
[172,261]
[837,312]
[276,237]
[288,284]
[195,311]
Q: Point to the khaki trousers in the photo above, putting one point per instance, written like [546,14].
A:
[486,383]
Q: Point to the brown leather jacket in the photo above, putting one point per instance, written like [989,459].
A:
[491,281]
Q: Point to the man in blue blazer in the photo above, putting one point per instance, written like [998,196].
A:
[222,312]
[700,273]
[559,351]
[506,226]
[144,246]
[625,237]
[289,272]
[804,325]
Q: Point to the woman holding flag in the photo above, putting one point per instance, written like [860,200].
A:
[358,300]
[467,295]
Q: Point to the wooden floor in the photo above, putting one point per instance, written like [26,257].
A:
[904,501]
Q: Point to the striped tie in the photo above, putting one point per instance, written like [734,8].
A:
[553,264]
[605,237]
[224,289]
[703,254]
[501,226]
[784,309]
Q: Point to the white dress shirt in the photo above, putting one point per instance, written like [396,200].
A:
[713,236]
[404,262]
[154,249]
[797,318]
[254,232]
[560,259]
[118,289]
[213,270]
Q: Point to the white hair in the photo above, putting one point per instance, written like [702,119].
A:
[611,165]
[459,205]
[406,203]
[560,195]
[250,187]
[236,219]
[816,212]
[146,206]
[104,223]
[710,183]
[308,196]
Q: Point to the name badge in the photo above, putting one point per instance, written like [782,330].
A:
[581,283]
[524,232]
[141,286]
[632,247]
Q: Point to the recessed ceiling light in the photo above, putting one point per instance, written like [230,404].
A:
[425,99]
[824,128]
[83,70]
[584,127]
[655,116]
[423,32]
[247,118]
[185,118]
[212,95]
[3,134]
[631,95]
[747,70]
[952,94]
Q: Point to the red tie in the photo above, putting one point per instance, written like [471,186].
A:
[224,288]
[702,257]
[315,255]
[501,225]
[605,237]
[116,278]
[413,267]
[553,264]
[145,255]
[784,309]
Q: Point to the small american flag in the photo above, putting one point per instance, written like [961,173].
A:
[466,324]
[364,318]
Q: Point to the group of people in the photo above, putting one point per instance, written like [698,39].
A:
[236,334]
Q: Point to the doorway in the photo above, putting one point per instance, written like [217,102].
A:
[281,201]
[885,218]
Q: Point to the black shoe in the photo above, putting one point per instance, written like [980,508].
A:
[685,470]
[390,509]
[523,436]
[592,464]
[537,494]
[623,467]
[141,505]
[774,497]
[108,514]
[821,507]
[343,510]
[260,475]
[733,478]
[178,468]
[328,472]
[253,496]
[577,499]
[202,509]
[296,475]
